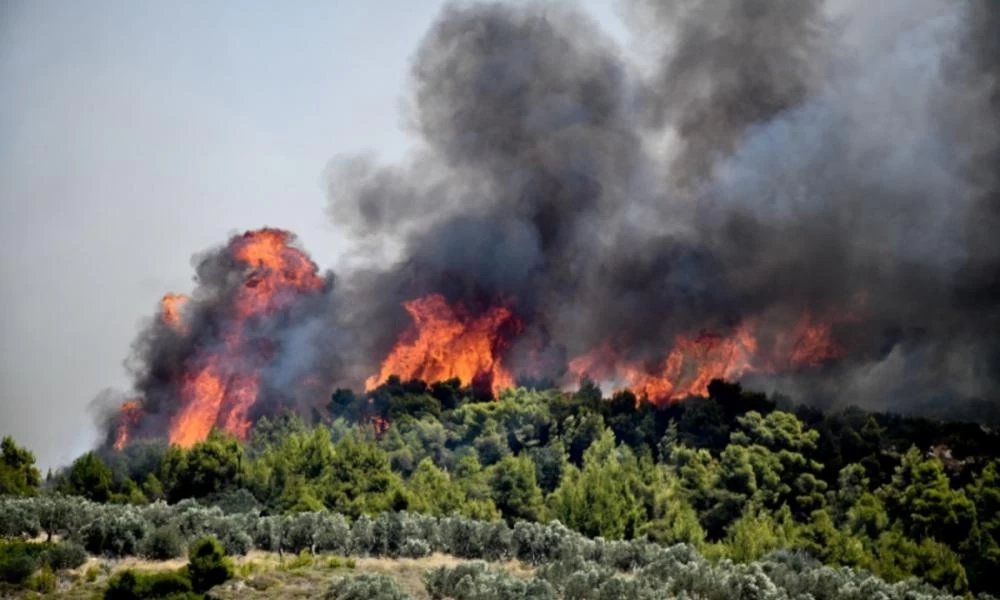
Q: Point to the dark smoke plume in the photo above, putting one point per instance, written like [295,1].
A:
[834,158]
[757,161]
[248,316]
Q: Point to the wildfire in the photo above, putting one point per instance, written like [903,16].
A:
[221,380]
[445,342]
[170,308]
[809,344]
[131,412]
[280,273]
[224,346]
[694,361]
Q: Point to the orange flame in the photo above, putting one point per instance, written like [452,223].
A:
[203,395]
[809,344]
[222,392]
[171,307]
[694,362]
[280,272]
[220,385]
[130,414]
[445,342]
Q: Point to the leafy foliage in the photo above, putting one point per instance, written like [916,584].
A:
[18,475]
[365,587]
[736,476]
[208,565]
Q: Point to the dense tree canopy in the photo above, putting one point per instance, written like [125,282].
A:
[735,474]
[18,475]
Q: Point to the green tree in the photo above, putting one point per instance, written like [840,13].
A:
[920,497]
[433,492]
[208,468]
[208,565]
[514,488]
[600,499]
[754,534]
[983,547]
[899,557]
[674,520]
[830,545]
[359,479]
[701,481]
[18,475]
[867,517]
[551,462]
[89,477]
[780,448]
[852,483]
[491,444]
[580,431]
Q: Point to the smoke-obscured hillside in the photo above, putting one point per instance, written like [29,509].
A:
[801,195]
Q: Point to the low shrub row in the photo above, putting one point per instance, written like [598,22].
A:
[568,564]
[20,559]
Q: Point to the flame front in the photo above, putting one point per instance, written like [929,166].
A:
[444,342]
[130,414]
[220,381]
[694,361]
[171,307]
[223,390]
[224,338]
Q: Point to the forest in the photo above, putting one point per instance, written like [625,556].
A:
[736,487]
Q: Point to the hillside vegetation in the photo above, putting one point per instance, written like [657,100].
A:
[726,497]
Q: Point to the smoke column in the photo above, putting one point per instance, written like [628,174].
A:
[801,193]
[836,159]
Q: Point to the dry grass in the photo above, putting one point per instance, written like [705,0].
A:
[262,575]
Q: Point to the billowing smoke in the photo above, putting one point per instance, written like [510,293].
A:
[255,336]
[759,162]
[798,192]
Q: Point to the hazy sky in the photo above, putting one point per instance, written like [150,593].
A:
[134,134]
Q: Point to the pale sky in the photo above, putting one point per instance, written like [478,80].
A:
[134,134]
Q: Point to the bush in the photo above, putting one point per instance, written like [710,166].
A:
[130,585]
[17,568]
[65,555]
[267,532]
[298,531]
[376,586]
[43,582]
[166,584]
[332,534]
[414,548]
[123,586]
[474,581]
[19,516]
[117,532]
[164,543]
[234,501]
[236,543]
[208,565]
[20,559]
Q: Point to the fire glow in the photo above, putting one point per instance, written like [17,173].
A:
[694,361]
[444,343]
[219,380]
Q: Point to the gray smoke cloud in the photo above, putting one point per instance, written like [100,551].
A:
[760,162]
[828,158]
[290,346]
